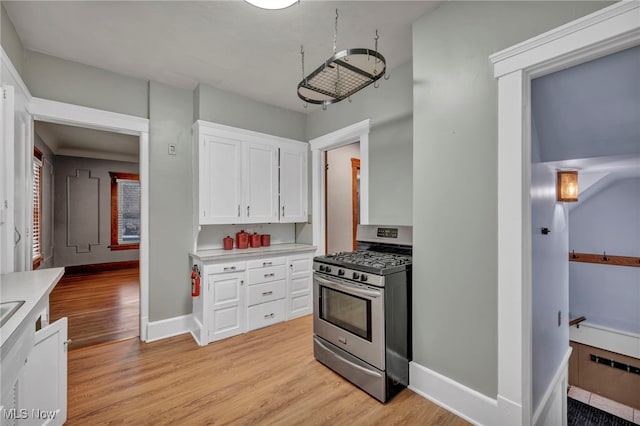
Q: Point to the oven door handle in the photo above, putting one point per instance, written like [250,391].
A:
[349,288]
[346,361]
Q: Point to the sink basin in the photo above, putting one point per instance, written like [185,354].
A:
[7,309]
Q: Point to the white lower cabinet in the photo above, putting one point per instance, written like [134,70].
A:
[300,280]
[226,292]
[242,295]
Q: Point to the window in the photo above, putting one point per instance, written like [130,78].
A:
[125,211]
[37,208]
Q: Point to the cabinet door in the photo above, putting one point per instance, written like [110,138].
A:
[260,183]
[42,386]
[226,305]
[220,180]
[299,301]
[293,185]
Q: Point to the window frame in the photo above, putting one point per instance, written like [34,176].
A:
[115,245]
[36,240]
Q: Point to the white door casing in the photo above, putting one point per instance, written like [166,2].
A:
[604,32]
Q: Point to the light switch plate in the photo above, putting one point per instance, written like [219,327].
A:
[172,149]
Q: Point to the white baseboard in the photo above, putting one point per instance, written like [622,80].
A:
[461,400]
[170,327]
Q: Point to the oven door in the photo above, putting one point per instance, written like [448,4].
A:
[351,316]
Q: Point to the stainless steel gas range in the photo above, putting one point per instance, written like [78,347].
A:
[362,310]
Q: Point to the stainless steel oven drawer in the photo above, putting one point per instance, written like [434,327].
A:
[363,375]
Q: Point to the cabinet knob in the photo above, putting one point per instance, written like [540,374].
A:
[68,341]
[241,282]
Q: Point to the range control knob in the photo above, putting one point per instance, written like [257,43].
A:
[322,268]
[340,271]
[328,269]
[356,276]
[363,277]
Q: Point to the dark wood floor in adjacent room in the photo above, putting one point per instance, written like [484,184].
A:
[267,376]
[100,306]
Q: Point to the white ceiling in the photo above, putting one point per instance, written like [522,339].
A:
[230,45]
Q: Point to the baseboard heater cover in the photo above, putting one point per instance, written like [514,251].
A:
[615,364]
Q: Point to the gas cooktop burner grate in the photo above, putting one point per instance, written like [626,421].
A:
[370,259]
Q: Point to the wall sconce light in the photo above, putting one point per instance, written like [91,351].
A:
[567,189]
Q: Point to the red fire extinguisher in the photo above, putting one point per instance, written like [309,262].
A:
[195,281]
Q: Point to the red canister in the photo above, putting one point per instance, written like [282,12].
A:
[254,240]
[242,240]
[265,240]
[227,243]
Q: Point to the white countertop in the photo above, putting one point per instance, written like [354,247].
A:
[220,254]
[30,286]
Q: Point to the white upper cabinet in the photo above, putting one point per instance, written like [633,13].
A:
[293,184]
[248,177]
[220,163]
[261,182]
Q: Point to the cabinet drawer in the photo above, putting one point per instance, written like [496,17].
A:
[263,275]
[265,263]
[265,314]
[266,292]
[226,267]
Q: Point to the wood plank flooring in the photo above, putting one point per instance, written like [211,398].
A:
[266,377]
[101,306]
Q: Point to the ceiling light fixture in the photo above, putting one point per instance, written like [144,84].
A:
[342,75]
[272,4]
[567,186]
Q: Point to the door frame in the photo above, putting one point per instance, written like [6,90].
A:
[356,132]
[612,29]
[75,115]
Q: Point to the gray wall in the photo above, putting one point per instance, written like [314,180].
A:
[11,43]
[234,110]
[550,280]
[46,220]
[390,142]
[170,201]
[339,198]
[608,221]
[53,78]
[82,216]
[455,160]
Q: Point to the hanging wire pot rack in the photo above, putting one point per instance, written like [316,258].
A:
[342,75]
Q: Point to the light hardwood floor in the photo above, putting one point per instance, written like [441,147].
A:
[267,376]
[101,306]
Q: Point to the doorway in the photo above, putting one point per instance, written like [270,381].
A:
[90,220]
[610,30]
[339,197]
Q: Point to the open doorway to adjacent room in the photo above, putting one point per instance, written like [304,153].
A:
[87,220]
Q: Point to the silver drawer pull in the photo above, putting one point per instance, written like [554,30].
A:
[267,263]
[271,315]
[269,275]
[230,268]
[267,293]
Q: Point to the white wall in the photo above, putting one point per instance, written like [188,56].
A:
[339,198]
[608,221]
[550,280]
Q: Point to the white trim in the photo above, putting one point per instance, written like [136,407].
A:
[63,113]
[215,129]
[86,153]
[169,327]
[558,378]
[350,134]
[606,338]
[59,112]
[461,400]
[604,32]
[14,75]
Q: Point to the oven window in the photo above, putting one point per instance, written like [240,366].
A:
[349,312]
